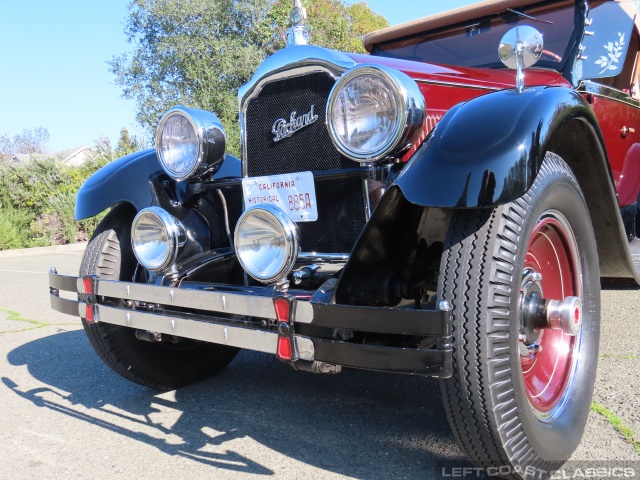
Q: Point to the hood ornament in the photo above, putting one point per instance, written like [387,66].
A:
[299,33]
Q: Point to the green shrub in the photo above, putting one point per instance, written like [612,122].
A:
[14,228]
[37,200]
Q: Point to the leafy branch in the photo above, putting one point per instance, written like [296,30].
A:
[614,50]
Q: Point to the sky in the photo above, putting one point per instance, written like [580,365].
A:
[54,71]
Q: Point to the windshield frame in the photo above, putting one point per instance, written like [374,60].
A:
[383,49]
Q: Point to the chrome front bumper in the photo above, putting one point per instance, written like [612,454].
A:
[248,319]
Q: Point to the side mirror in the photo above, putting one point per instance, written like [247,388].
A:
[521,48]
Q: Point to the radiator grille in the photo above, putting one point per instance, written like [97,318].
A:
[309,149]
[341,217]
[341,205]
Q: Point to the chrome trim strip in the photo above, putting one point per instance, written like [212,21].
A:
[303,312]
[304,348]
[258,340]
[610,93]
[254,306]
[66,283]
[67,306]
[317,257]
[281,63]
[461,85]
[367,199]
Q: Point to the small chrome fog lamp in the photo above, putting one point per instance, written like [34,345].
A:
[267,243]
[155,237]
[190,143]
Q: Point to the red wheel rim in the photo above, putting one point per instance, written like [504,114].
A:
[552,252]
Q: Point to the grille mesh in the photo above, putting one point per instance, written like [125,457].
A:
[341,217]
[309,149]
[341,209]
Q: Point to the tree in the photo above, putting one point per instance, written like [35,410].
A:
[29,141]
[197,53]
[334,25]
[127,144]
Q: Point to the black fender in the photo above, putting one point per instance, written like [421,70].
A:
[134,179]
[483,153]
[487,151]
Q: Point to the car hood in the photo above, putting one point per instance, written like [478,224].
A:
[465,76]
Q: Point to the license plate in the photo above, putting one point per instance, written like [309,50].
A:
[295,193]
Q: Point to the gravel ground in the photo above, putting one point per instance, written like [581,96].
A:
[65,415]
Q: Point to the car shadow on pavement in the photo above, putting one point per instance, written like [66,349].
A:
[362,424]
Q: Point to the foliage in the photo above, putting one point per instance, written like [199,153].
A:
[14,228]
[29,141]
[617,423]
[197,53]
[37,198]
[190,52]
[334,25]
[127,144]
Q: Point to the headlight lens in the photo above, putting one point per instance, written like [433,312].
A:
[178,145]
[155,238]
[373,112]
[190,143]
[364,114]
[266,242]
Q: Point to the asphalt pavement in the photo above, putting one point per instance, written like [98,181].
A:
[64,414]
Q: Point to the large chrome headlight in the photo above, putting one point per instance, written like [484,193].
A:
[190,143]
[155,237]
[374,112]
[266,242]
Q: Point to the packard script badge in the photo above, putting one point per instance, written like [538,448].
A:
[283,129]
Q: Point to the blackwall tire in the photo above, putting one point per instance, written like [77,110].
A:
[155,365]
[498,414]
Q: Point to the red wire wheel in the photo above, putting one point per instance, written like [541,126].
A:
[547,372]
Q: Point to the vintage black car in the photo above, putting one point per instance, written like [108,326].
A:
[446,206]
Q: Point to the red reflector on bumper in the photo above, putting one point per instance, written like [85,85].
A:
[88,285]
[283,309]
[88,316]
[285,352]
[87,281]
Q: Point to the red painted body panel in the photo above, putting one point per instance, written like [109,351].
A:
[444,87]
[629,183]
[478,77]
[611,116]
[623,150]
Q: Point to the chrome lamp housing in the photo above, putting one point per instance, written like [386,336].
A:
[156,237]
[374,113]
[267,243]
[190,143]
